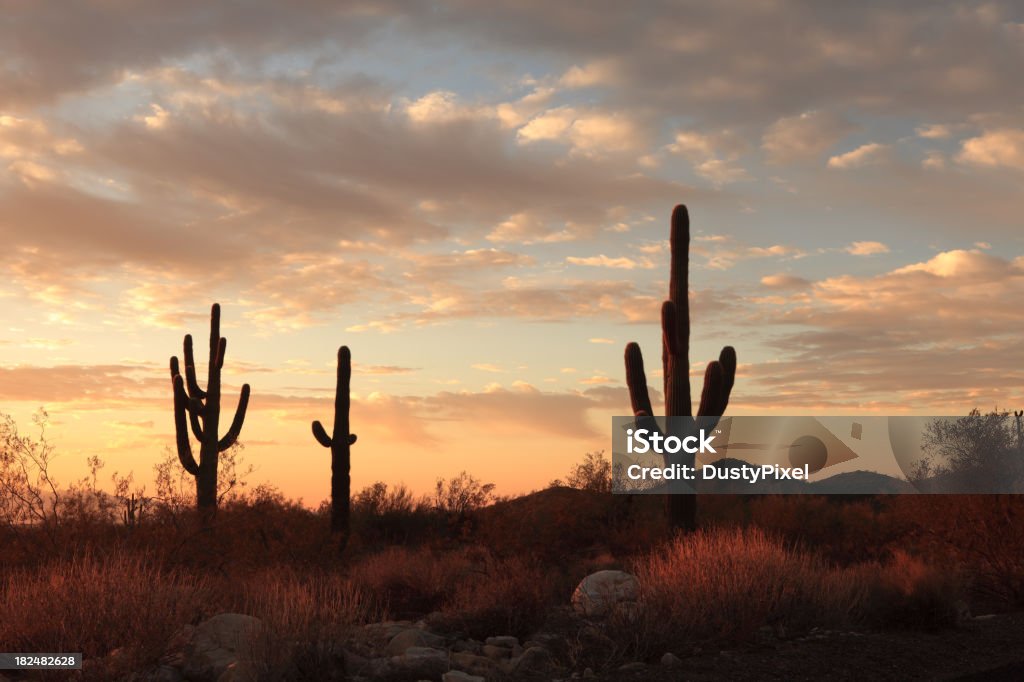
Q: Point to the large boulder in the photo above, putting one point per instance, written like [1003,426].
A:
[227,641]
[606,592]
[407,639]
[420,662]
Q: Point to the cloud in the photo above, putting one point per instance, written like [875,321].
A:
[488,367]
[1003,148]
[866,248]
[938,334]
[714,156]
[785,281]
[861,156]
[722,252]
[588,132]
[804,137]
[934,131]
[603,261]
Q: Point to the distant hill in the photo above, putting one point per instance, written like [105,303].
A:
[861,483]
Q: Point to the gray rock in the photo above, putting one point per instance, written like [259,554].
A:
[413,637]
[496,653]
[670,660]
[470,645]
[534,660]
[215,644]
[634,667]
[354,663]
[459,676]
[419,661]
[387,629]
[588,673]
[473,664]
[506,641]
[599,593]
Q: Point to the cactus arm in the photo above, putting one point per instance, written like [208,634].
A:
[195,407]
[188,461]
[236,424]
[190,371]
[636,380]
[352,439]
[222,349]
[727,358]
[712,397]
[321,435]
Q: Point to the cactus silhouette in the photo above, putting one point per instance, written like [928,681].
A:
[339,442]
[675,359]
[200,410]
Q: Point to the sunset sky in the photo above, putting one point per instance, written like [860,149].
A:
[475,197]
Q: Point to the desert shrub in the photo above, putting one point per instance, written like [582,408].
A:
[411,581]
[906,592]
[392,515]
[843,530]
[307,615]
[501,596]
[727,584]
[593,473]
[461,495]
[982,536]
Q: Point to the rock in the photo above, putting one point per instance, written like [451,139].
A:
[506,641]
[387,629]
[634,667]
[354,663]
[470,645]
[420,661]
[496,653]
[459,676]
[670,660]
[471,663]
[410,638]
[215,644]
[599,593]
[588,673]
[534,660]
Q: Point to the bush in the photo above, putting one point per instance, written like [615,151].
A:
[593,473]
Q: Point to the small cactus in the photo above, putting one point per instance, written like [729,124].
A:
[339,443]
[200,410]
[675,358]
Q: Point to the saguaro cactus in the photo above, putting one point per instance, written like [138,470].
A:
[339,442]
[201,410]
[675,359]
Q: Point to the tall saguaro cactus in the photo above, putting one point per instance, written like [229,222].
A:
[675,360]
[200,410]
[339,442]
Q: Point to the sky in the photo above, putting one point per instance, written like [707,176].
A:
[474,197]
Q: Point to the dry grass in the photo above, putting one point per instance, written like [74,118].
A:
[726,585]
[307,615]
[96,605]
